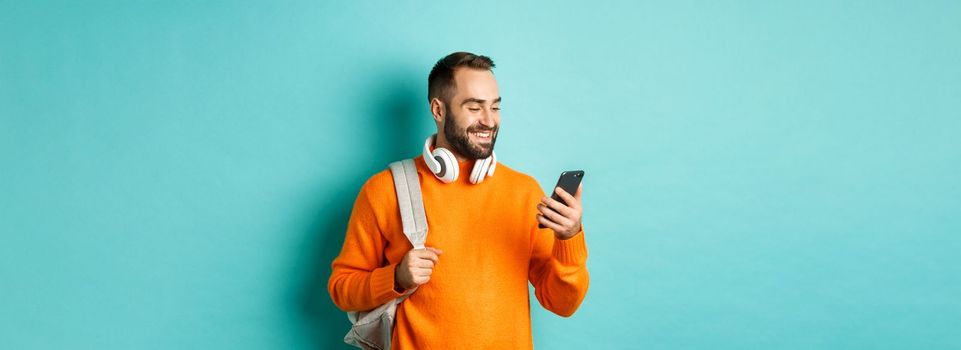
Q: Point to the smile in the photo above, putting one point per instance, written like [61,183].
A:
[485,135]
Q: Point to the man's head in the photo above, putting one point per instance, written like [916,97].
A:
[465,103]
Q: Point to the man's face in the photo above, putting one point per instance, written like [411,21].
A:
[472,116]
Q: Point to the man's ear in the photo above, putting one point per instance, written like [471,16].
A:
[437,109]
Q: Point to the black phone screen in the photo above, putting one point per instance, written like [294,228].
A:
[568,181]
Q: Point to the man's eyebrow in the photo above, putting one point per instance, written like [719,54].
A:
[477,100]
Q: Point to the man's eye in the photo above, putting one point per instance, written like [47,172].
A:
[474,109]
[497,108]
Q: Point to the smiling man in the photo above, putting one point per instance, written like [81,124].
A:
[484,244]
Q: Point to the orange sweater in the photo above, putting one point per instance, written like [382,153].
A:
[477,297]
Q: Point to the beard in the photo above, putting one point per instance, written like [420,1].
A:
[459,138]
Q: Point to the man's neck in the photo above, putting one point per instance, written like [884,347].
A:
[441,141]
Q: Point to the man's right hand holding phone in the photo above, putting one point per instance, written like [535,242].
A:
[564,219]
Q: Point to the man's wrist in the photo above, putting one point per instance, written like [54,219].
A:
[566,237]
[397,287]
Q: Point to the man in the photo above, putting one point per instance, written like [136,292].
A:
[484,244]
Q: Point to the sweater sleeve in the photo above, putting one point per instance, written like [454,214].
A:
[558,270]
[357,281]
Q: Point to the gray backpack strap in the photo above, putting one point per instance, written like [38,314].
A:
[410,200]
[373,329]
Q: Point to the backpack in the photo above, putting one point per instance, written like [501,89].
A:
[372,330]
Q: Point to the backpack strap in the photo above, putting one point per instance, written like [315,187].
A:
[410,200]
[372,329]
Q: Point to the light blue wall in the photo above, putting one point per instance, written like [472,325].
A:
[178,174]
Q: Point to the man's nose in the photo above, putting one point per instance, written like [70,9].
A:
[487,118]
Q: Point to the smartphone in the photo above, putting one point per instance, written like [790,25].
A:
[568,181]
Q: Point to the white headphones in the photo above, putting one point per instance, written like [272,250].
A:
[444,165]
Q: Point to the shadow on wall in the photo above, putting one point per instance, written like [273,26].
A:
[396,108]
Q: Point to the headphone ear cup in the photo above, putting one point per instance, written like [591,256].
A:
[480,170]
[432,162]
[441,167]
[493,164]
[448,165]
[478,164]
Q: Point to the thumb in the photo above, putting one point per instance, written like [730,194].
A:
[435,250]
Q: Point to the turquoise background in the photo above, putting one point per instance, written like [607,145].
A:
[178,174]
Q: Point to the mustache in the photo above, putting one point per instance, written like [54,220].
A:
[481,128]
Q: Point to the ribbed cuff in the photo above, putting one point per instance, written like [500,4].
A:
[571,251]
[382,284]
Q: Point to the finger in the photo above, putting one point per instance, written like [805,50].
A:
[420,280]
[568,198]
[557,206]
[426,254]
[577,196]
[423,272]
[435,250]
[549,224]
[553,215]
[424,263]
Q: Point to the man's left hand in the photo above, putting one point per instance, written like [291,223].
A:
[565,220]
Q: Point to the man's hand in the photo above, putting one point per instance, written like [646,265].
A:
[415,269]
[565,220]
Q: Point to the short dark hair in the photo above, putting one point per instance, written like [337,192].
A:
[440,82]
